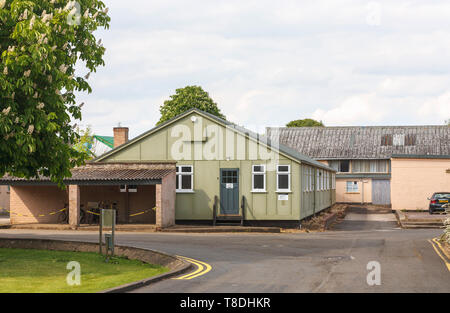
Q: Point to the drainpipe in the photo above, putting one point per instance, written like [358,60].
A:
[362,191]
[315,190]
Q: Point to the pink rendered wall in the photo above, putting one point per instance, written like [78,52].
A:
[414,180]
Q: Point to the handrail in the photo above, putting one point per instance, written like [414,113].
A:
[242,210]
[215,210]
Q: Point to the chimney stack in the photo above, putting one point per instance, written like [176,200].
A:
[120,136]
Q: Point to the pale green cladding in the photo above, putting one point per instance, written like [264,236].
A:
[232,149]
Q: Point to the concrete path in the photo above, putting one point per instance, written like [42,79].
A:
[334,261]
[368,218]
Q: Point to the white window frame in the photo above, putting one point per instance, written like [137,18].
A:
[258,173]
[309,179]
[333,180]
[353,183]
[320,180]
[179,175]
[284,173]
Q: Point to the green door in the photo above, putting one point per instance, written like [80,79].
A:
[229,191]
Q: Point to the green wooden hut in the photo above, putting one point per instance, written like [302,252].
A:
[228,173]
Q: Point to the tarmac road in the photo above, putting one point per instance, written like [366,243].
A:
[333,261]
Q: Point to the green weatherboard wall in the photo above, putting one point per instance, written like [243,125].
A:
[165,142]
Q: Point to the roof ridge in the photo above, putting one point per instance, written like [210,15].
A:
[374,126]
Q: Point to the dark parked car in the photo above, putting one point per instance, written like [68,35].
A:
[438,200]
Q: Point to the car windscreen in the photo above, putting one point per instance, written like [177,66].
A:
[442,195]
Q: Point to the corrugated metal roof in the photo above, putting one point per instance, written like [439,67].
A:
[364,142]
[108,172]
[107,140]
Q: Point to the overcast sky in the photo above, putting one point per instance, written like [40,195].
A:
[268,62]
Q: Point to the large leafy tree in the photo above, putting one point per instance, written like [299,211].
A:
[85,142]
[40,43]
[307,122]
[185,99]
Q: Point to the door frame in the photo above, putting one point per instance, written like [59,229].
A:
[220,191]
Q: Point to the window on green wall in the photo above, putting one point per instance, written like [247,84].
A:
[311,179]
[283,178]
[308,179]
[185,178]
[258,178]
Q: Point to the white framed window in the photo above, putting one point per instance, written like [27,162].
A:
[333,181]
[310,179]
[307,179]
[352,186]
[320,180]
[317,180]
[259,178]
[284,178]
[185,178]
[324,180]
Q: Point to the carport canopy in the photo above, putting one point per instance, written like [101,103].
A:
[161,174]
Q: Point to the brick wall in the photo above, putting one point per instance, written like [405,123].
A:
[34,201]
[142,200]
[165,200]
[120,136]
[4,198]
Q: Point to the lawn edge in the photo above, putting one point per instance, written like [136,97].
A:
[131,252]
[148,281]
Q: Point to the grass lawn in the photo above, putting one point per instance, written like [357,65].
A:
[29,270]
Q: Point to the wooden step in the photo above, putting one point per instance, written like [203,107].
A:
[228,217]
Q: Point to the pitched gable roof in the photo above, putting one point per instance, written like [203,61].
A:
[288,152]
[364,142]
[107,140]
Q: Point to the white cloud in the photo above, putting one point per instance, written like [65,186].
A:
[436,107]
[352,111]
[266,62]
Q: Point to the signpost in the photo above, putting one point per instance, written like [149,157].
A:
[107,220]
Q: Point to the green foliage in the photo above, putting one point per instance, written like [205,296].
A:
[307,122]
[39,47]
[85,142]
[187,98]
